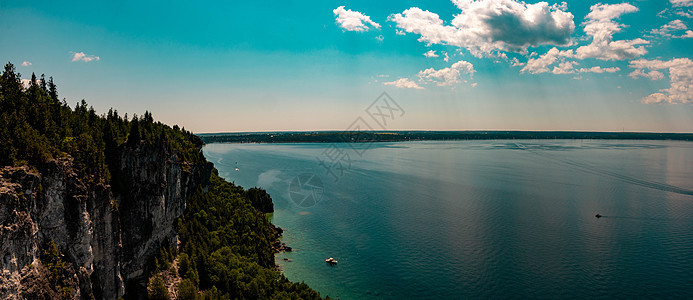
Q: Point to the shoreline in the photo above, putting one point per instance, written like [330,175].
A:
[418,136]
[278,246]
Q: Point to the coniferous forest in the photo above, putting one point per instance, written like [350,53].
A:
[225,237]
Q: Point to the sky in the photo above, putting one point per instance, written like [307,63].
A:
[235,66]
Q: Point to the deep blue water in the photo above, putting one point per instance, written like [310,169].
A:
[479,219]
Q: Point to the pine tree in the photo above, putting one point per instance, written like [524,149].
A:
[52,89]
[10,83]
[134,137]
[42,83]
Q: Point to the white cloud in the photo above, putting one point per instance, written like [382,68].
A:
[687,35]
[667,29]
[379,38]
[26,82]
[541,64]
[600,70]
[404,83]
[516,62]
[608,12]
[601,27]
[80,56]
[663,13]
[430,53]
[680,77]
[447,76]
[446,58]
[26,63]
[687,14]
[351,20]
[487,25]
[681,3]
[565,67]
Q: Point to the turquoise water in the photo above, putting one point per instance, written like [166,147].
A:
[480,219]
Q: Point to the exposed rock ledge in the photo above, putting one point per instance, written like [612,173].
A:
[106,239]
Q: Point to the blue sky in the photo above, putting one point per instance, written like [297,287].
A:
[296,65]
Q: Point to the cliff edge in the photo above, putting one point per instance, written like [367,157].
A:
[107,240]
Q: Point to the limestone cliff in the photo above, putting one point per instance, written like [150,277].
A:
[106,238]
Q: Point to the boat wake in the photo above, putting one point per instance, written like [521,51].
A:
[635,218]
[598,171]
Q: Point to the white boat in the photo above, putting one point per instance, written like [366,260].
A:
[331,261]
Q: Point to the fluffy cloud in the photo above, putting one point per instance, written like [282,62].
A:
[447,76]
[565,67]
[431,53]
[687,35]
[680,3]
[687,14]
[680,76]
[353,20]
[26,63]
[541,64]
[80,56]
[487,25]
[667,29]
[601,27]
[516,62]
[599,70]
[25,82]
[404,83]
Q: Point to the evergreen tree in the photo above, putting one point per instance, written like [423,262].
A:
[226,249]
[42,83]
[52,89]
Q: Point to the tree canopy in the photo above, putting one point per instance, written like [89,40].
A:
[225,237]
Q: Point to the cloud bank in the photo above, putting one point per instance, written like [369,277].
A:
[680,77]
[600,25]
[487,25]
[681,3]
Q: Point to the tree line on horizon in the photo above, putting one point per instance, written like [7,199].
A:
[402,136]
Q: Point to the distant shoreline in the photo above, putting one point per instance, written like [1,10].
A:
[405,136]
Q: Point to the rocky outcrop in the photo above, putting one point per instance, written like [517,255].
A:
[277,244]
[106,237]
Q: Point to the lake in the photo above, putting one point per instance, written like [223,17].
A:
[479,219]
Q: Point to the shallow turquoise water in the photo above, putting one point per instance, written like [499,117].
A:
[480,219]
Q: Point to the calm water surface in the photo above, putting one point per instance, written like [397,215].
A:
[480,219]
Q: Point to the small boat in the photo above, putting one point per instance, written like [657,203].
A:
[237,166]
[598,216]
[331,261]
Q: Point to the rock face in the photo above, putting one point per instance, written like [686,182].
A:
[106,239]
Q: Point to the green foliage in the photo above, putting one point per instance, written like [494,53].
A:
[156,289]
[36,127]
[59,272]
[226,247]
[225,237]
[187,290]
[50,256]
[260,199]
